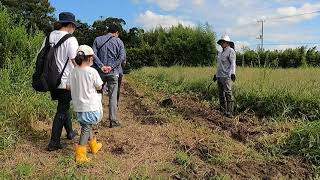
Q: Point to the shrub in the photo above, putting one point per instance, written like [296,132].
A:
[305,141]
[20,105]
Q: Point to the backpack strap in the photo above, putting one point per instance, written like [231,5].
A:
[47,40]
[104,44]
[64,68]
[63,39]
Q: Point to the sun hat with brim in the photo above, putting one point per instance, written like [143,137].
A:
[227,39]
[68,17]
[87,50]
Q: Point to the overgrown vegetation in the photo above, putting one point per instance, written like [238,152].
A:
[288,58]
[277,93]
[20,105]
[305,141]
[175,46]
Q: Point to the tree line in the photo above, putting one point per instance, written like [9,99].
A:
[159,47]
[288,58]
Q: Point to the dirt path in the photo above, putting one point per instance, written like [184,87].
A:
[149,144]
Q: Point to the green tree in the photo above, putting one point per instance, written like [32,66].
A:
[83,34]
[35,13]
[100,27]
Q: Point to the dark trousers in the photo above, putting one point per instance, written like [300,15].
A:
[62,117]
[119,87]
[226,98]
[112,83]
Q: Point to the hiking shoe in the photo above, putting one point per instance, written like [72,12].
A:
[115,125]
[51,148]
[72,135]
[229,115]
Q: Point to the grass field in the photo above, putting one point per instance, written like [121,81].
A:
[188,141]
[292,93]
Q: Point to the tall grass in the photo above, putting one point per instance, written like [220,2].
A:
[305,141]
[268,92]
[20,105]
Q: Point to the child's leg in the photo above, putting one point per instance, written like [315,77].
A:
[91,133]
[94,145]
[86,133]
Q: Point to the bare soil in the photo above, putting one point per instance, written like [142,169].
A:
[146,144]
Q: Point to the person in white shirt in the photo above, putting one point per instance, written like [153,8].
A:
[64,55]
[226,73]
[84,82]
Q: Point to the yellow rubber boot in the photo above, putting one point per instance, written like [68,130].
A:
[81,154]
[94,146]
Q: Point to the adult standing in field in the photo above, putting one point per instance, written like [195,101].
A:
[225,75]
[64,55]
[110,53]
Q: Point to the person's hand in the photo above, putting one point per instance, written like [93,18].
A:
[233,77]
[106,69]
[214,78]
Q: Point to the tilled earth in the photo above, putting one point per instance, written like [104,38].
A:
[146,144]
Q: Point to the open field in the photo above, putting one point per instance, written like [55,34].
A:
[279,93]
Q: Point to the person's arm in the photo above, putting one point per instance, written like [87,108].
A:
[72,51]
[98,81]
[97,61]
[68,85]
[121,56]
[233,58]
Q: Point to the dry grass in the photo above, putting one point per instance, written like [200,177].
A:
[175,149]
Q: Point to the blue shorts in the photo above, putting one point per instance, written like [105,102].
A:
[93,117]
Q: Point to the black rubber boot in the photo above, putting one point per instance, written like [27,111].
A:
[223,106]
[114,124]
[71,134]
[57,126]
[230,109]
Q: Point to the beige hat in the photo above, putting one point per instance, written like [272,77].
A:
[226,39]
[87,50]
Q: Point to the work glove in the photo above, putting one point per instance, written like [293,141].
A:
[214,78]
[233,77]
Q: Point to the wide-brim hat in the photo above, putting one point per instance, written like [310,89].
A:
[227,39]
[68,17]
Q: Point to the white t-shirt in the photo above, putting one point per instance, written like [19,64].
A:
[83,83]
[67,50]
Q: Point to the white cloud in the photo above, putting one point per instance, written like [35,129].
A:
[306,8]
[240,45]
[167,5]
[150,20]
[198,2]
[238,18]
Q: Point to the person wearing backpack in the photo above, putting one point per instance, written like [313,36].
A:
[110,53]
[225,75]
[58,52]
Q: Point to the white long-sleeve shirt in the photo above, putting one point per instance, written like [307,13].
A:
[226,63]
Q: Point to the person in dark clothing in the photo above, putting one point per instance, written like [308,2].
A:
[110,53]
[66,52]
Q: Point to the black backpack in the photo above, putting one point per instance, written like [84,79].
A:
[46,76]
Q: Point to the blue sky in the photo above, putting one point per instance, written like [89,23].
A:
[237,18]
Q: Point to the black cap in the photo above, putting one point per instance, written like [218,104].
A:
[68,17]
[113,28]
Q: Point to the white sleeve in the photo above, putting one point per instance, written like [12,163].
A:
[98,81]
[72,48]
[233,61]
[69,80]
